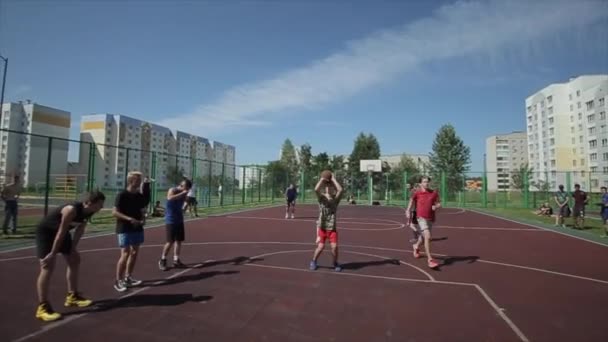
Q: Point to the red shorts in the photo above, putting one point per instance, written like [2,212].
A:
[323,235]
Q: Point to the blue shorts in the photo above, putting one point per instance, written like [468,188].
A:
[605,215]
[130,239]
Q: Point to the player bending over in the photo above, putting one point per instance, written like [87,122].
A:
[53,237]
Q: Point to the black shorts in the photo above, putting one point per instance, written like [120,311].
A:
[175,232]
[564,211]
[413,217]
[46,238]
[291,202]
[578,211]
[191,201]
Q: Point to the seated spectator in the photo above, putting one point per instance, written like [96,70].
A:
[158,210]
[545,210]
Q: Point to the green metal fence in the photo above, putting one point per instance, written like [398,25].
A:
[49,180]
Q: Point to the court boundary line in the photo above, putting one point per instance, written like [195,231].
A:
[535,269]
[145,228]
[431,278]
[538,227]
[54,325]
[514,328]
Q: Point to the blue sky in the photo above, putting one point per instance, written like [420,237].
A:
[251,74]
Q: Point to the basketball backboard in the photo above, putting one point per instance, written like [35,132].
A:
[370,165]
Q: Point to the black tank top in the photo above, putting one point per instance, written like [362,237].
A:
[52,221]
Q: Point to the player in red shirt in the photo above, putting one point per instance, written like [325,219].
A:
[427,202]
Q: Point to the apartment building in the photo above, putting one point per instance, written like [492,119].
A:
[25,155]
[421,160]
[566,127]
[111,163]
[505,155]
[144,145]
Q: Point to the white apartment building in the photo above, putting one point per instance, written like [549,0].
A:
[224,156]
[25,155]
[190,147]
[505,154]
[566,126]
[174,150]
[132,135]
[421,160]
[248,175]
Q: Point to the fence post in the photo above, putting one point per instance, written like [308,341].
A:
[526,190]
[568,182]
[91,168]
[405,187]
[444,190]
[154,184]
[223,184]
[126,166]
[210,185]
[244,185]
[259,185]
[484,190]
[48,176]
[233,184]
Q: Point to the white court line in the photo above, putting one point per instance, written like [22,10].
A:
[399,225]
[340,219]
[489,228]
[431,278]
[493,304]
[55,325]
[538,227]
[147,227]
[342,245]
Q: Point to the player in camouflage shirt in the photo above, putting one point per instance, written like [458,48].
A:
[329,194]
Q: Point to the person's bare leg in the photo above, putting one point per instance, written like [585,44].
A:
[318,251]
[166,250]
[73,261]
[427,243]
[132,260]
[334,252]
[44,279]
[121,265]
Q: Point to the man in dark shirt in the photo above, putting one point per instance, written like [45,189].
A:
[53,237]
[129,210]
[578,212]
[290,196]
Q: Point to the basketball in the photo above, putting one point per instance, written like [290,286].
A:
[326,175]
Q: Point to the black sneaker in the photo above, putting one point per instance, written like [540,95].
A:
[130,281]
[162,264]
[178,264]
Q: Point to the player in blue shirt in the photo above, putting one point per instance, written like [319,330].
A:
[174,221]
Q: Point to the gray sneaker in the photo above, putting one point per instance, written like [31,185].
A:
[120,286]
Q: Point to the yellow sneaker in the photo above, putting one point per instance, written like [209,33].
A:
[46,313]
[75,299]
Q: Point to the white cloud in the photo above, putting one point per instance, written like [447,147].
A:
[463,29]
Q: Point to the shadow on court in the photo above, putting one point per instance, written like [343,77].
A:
[141,300]
[362,264]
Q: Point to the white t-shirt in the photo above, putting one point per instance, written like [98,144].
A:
[192,192]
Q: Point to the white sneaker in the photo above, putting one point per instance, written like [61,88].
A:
[286,216]
[293,216]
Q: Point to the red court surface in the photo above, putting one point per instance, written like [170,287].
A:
[249,281]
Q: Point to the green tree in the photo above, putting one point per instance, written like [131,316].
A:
[276,177]
[406,164]
[320,162]
[305,158]
[452,156]
[521,177]
[365,147]
[289,160]
[336,165]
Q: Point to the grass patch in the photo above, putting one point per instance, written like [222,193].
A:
[103,222]
[593,227]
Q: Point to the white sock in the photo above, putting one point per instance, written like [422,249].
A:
[175,258]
